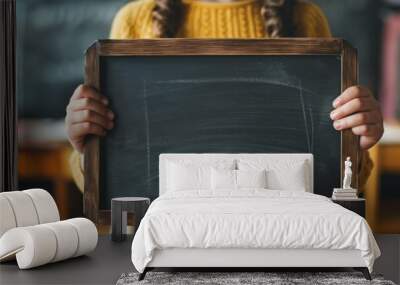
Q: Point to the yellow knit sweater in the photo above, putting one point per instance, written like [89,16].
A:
[238,19]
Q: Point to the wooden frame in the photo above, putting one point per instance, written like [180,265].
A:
[8,114]
[176,47]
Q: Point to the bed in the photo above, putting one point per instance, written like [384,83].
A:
[247,211]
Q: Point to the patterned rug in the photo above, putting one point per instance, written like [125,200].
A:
[244,278]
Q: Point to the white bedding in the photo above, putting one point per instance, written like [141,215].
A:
[250,219]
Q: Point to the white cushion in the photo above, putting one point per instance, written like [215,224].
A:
[28,207]
[193,174]
[170,180]
[41,244]
[251,178]
[23,208]
[33,246]
[7,218]
[66,237]
[230,180]
[87,235]
[281,175]
[223,179]
[228,161]
[45,205]
[188,177]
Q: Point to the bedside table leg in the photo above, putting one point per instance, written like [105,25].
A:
[116,222]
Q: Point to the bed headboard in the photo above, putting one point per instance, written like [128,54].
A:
[164,158]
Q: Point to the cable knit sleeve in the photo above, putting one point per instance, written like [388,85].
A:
[76,163]
[365,169]
[309,21]
[121,27]
[133,21]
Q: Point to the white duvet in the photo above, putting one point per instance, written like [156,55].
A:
[250,219]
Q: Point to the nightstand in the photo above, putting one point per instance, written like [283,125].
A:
[355,205]
[119,209]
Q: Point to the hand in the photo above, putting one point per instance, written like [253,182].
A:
[87,113]
[356,108]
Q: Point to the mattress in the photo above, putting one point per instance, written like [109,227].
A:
[251,219]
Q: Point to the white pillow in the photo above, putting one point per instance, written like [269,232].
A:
[281,174]
[222,179]
[188,177]
[292,179]
[193,174]
[251,178]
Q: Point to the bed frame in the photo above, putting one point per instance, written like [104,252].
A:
[236,258]
[260,259]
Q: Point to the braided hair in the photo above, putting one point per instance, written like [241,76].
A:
[277,14]
[277,18]
[167,17]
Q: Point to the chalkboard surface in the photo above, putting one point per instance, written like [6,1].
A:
[241,103]
[211,104]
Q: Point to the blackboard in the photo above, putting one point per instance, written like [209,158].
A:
[224,96]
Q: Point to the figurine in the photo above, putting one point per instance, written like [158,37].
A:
[346,192]
[347,174]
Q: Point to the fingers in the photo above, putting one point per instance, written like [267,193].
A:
[368,130]
[369,134]
[84,91]
[350,94]
[92,117]
[357,109]
[360,104]
[81,129]
[367,142]
[87,113]
[77,133]
[90,104]
[357,119]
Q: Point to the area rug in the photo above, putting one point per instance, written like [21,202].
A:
[244,278]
